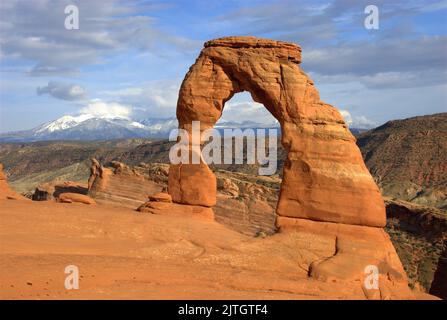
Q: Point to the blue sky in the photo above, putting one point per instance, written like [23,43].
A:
[134,55]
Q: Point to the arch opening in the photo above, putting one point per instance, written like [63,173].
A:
[247,201]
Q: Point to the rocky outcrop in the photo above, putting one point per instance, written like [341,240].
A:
[161,197]
[429,220]
[250,216]
[193,184]
[325,178]
[69,197]
[121,185]
[227,186]
[5,191]
[161,203]
[95,171]
[418,234]
[157,172]
[439,284]
[246,203]
[51,190]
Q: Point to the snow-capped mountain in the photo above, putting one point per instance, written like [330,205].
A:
[70,122]
[93,127]
[159,127]
[104,127]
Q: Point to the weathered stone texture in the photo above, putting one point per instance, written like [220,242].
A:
[325,178]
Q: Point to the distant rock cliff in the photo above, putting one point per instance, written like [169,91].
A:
[408,158]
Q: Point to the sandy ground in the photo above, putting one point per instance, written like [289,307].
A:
[123,254]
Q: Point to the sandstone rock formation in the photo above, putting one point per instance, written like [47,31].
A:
[51,190]
[5,191]
[120,185]
[355,249]
[69,197]
[246,203]
[325,178]
[95,171]
[161,197]
[161,203]
[193,184]
[226,186]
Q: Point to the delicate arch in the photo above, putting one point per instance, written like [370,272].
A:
[324,178]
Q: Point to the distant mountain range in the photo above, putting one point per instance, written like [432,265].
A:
[90,127]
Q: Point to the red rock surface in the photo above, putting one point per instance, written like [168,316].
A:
[161,203]
[166,208]
[355,247]
[124,255]
[161,197]
[325,178]
[69,197]
[122,186]
[193,184]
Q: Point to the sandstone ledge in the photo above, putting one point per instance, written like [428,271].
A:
[248,41]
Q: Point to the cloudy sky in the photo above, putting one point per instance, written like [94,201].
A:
[129,57]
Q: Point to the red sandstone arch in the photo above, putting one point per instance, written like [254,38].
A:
[325,178]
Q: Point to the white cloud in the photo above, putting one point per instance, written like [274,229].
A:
[378,57]
[34,31]
[156,99]
[162,94]
[64,91]
[360,122]
[387,80]
[99,108]
[335,44]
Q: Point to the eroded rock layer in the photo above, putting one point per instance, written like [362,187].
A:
[325,178]
[120,185]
